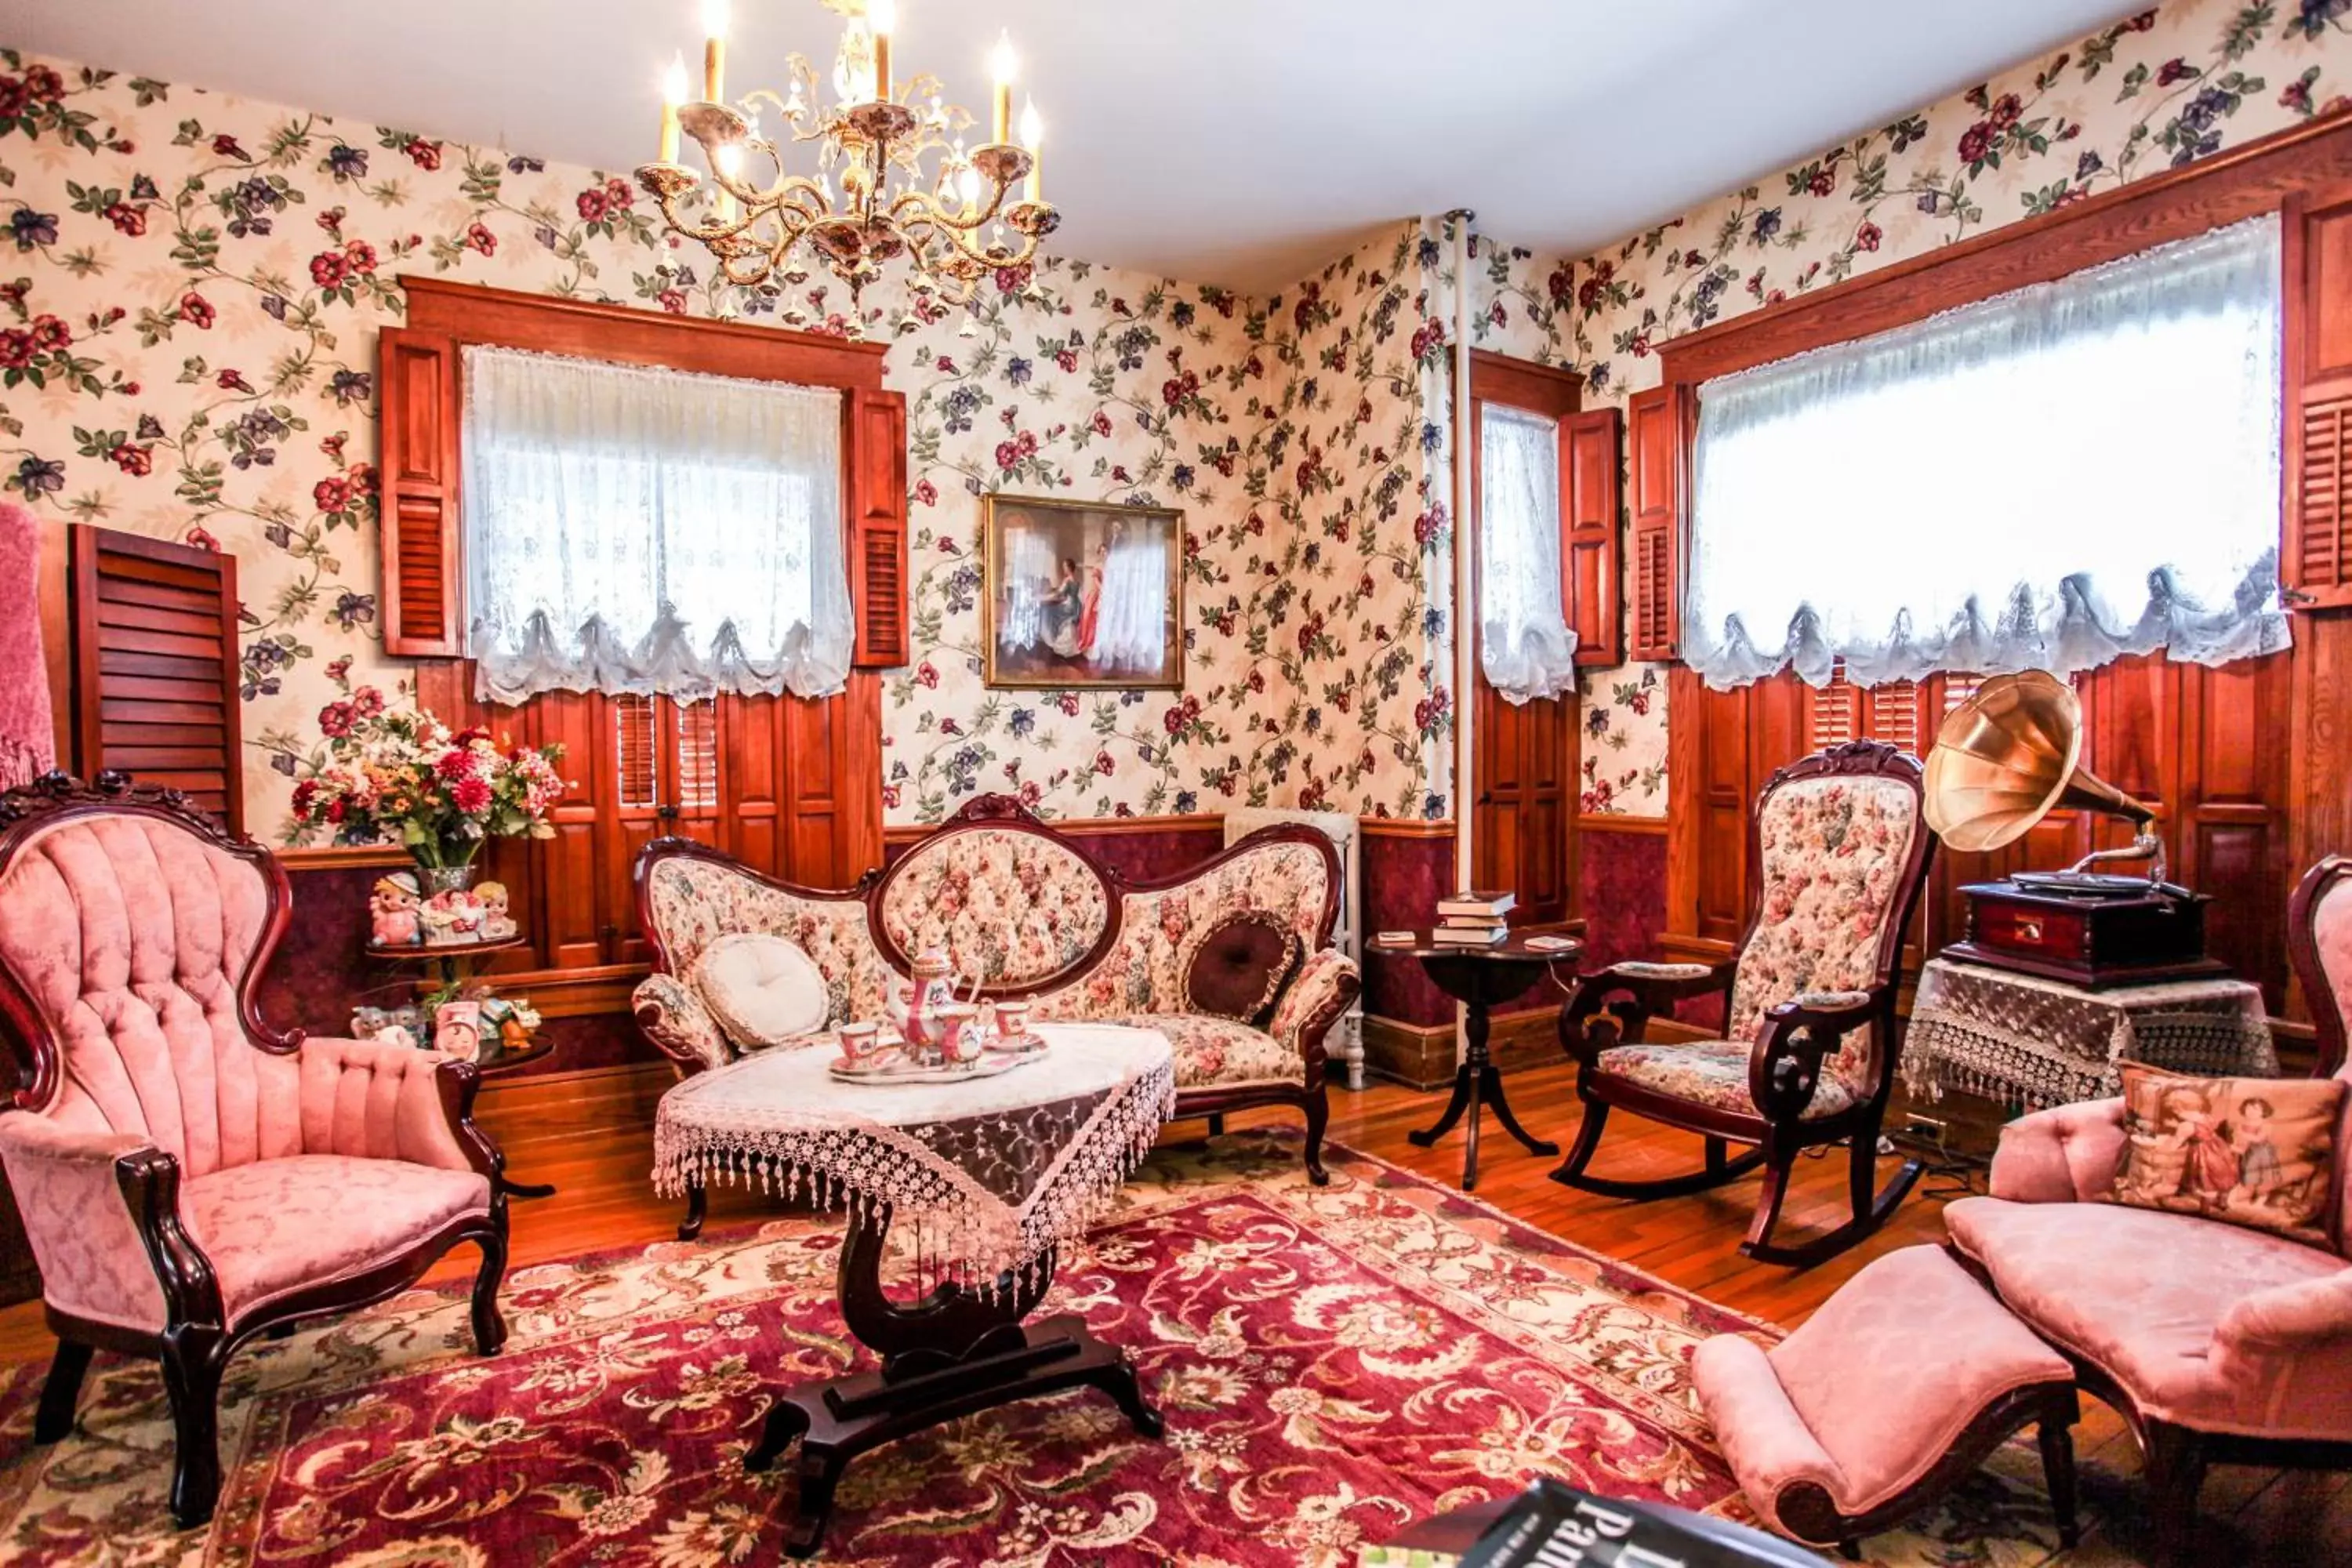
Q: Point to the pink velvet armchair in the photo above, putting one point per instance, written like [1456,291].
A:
[188,1175]
[2217,1344]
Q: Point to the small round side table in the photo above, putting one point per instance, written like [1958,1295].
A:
[1478,978]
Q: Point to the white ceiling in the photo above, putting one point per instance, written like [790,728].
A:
[1235,142]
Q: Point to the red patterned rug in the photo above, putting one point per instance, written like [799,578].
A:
[1333,1365]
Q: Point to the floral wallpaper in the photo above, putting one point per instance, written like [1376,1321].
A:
[190,290]
[190,285]
[2157,89]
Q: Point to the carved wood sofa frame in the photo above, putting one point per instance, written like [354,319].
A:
[1003,812]
[1614,1006]
[197,1339]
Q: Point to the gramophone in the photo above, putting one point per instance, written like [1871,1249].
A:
[2004,760]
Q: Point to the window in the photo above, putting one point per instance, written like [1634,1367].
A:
[1525,646]
[2050,479]
[643,531]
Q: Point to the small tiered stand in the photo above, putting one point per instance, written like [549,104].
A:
[459,963]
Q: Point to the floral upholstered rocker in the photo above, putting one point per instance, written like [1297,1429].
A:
[189,1176]
[1839,853]
[1231,960]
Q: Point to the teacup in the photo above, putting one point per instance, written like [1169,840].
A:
[958,1031]
[1013,1019]
[859,1042]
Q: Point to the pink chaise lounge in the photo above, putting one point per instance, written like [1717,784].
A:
[2217,1344]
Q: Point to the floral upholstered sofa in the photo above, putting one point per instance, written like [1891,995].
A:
[1231,960]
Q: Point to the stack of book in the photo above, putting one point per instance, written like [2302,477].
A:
[1474,919]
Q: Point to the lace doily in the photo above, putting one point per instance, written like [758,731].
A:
[2036,1043]
[984,1177]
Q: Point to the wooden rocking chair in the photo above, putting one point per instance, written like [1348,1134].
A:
[1840,851]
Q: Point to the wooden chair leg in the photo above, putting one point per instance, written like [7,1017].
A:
[2175,1464]
[1780,1160]
[192,1360]
[2057,1439]
[1587,1141]
[1318,1114]
[1216,1124]
[490,1325]
[697,1204]
[61,1391]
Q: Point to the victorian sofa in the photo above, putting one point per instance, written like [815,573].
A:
[188,1175]
[1036,917]
[2216,1342]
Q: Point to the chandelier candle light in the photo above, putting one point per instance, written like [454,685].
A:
[955,225]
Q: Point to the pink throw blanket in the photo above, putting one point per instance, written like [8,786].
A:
[27,733]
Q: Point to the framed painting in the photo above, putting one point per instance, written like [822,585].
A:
[1077,593]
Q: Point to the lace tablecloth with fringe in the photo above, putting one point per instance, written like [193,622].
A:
[2035,1043]
[981,1177]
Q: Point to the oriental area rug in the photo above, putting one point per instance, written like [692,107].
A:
[1333,1365]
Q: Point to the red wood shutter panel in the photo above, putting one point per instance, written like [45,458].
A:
[877,527]
[1654,436]
[155,661]
[417,389]
[2315,553]
[1589,470]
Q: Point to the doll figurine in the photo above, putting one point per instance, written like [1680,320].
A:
[393,917]
[498,925]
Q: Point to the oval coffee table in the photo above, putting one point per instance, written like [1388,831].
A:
[987,1176]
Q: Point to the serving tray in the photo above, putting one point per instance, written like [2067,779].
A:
[895,1068]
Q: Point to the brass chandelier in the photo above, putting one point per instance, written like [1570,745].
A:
[869,200]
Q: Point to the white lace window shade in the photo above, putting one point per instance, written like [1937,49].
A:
[1525,646]
[646,530]
[2052,479]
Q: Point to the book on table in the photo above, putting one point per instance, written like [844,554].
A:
[1478,903]
[1464,936]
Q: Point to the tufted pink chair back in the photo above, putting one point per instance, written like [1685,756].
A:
[129,936]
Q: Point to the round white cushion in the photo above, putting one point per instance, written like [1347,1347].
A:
[761,989]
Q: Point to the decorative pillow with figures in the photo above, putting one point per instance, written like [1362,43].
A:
[2257,1152]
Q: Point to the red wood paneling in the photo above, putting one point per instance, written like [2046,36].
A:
[877,504]
[1591,519]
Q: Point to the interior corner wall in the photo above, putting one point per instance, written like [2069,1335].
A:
[2162,88]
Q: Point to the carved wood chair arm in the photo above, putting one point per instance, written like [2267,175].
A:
[1785,1065]
[674,1018]
[1614,1006]
[150,1182]
[1311,1002]
[94,1261]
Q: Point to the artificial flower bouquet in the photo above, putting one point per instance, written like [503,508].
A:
[401,776]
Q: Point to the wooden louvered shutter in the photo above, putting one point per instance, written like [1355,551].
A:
[417,389]
[2316,550]
[877,505]
[1654,438]
[1589,593]
[156,666]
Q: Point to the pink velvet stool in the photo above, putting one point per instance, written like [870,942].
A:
[1883,1400]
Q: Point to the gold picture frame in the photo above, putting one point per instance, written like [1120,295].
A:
[1050,568]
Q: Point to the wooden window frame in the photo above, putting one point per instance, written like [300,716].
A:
[2243,763]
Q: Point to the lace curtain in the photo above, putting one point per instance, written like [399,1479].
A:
[636,530]
[2047,480]
[1523,645]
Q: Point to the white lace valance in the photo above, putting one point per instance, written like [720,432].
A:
[1525,646]
[637,529]
[2047,480]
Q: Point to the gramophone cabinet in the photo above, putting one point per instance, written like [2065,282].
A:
[2095,933]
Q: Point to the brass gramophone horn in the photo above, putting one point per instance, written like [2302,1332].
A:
[2009,756]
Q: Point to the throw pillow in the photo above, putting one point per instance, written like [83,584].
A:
[761,989]
[2257,1152]
[1238,965]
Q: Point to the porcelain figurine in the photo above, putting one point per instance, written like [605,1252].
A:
[457,1030]
[393,911]
[498,925]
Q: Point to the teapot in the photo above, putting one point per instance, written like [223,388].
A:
[913,1001]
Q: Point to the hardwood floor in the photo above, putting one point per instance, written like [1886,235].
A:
[597,1148]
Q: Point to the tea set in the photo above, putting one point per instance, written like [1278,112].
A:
[929,1035]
